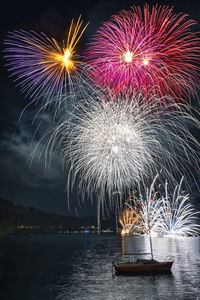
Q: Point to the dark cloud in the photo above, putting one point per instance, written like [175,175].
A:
[22,163]
[27,176]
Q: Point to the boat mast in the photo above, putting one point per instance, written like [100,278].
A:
[151,244]
[149,231]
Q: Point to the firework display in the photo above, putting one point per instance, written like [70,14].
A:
[178,216]
[148,51]
[42,67]
[127,220]
[127,117]
[168,215]
[130,217]
[112,147]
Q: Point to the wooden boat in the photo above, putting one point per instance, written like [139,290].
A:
[148,266]
[143,266]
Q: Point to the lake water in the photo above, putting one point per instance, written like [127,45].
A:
[62,267]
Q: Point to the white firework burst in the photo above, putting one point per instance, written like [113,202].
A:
[113,147]
[146,208]
[178,217]
[163,215]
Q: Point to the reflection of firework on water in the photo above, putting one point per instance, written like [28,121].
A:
[42,66]
[112,147]
[152,52]
[163,215]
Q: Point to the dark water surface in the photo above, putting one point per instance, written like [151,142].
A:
[61,267]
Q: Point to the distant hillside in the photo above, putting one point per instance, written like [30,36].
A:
[17,218]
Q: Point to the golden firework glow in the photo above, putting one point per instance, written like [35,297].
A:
[129,217]
[62,58]
[128,56]
[67,55]
[145,62]
[65,60]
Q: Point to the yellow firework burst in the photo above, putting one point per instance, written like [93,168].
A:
[43,66]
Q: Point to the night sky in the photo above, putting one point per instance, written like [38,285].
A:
[37,186]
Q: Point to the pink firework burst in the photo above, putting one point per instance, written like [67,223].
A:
[149,52]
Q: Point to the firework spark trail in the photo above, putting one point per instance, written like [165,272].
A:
[113,147]
[168,215]
[42,67]
[151,52]
[146,208]
[178,216]
[127,220]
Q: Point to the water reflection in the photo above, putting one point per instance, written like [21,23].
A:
[123,246]
[65,267]
[93,278]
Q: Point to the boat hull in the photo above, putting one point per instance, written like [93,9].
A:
[160,267]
